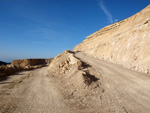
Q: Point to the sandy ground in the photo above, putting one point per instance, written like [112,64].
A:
[125,90]
[33,93]
[38,91]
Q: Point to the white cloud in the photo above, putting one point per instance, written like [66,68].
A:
[107,13]
[116,20]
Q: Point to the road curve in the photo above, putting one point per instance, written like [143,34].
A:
[125,90]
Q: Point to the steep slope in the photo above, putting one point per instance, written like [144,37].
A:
[126,42]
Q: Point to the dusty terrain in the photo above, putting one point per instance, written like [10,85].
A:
[91,86]
[126,42]
[34,92]
[87,80]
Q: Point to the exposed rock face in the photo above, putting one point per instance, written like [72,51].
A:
[126,42]
[30,62]
[25,64]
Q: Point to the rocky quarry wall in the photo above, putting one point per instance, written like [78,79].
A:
[19,65]
[126,42]
[30,62]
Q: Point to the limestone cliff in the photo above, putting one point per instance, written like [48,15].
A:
[126,42]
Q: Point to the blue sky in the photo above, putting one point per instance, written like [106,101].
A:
[45,28]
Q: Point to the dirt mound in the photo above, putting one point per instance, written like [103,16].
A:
[125,42]
[64,62]
[75,75]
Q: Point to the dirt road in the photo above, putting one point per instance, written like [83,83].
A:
[37,91]
[125,90]
[32,93]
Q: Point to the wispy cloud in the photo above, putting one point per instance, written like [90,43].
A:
[116,20]
[105,10]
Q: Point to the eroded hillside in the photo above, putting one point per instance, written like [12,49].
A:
[126,42]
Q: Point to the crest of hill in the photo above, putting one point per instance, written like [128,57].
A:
[126,42]
[3,63]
